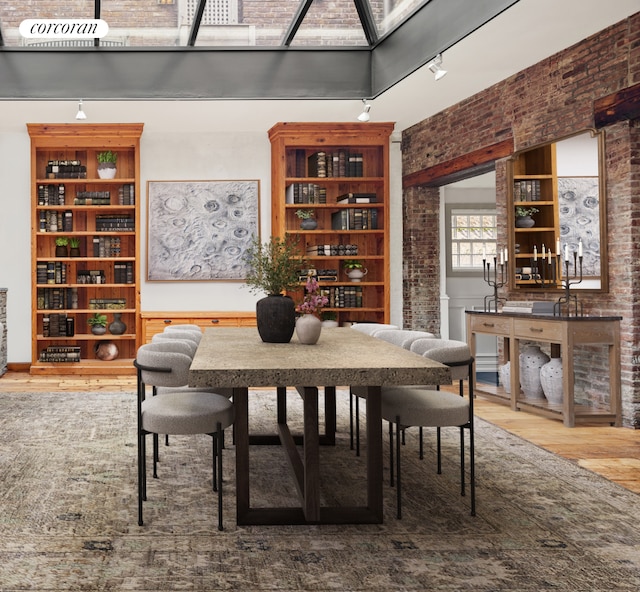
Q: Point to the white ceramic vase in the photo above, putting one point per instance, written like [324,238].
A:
[505,377]
[308,328]
[551,379]
[356,275]
[532,358]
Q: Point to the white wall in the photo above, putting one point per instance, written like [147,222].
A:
[164,156]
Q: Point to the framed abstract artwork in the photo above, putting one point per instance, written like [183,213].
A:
[200,230]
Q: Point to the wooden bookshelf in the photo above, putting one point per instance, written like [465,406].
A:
[64,205]
[533,183]
[356,160]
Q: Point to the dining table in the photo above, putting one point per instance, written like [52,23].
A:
[237,358]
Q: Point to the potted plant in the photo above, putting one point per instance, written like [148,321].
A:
[273,268]
[74,243]
[62,244]
[307,221]
[355,269]
[523,216]
[107,164]
[98,323]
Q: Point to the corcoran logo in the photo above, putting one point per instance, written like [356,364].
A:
[64,28]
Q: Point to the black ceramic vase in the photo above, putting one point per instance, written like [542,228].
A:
[276,316]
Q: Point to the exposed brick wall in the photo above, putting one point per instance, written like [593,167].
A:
[552,99]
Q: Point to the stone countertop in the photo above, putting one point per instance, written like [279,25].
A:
[237,357]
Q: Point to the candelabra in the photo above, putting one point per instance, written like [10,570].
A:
[543,271]
[569,302]
[494,283]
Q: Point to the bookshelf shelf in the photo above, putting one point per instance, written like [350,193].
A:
[355,160]
[104,216]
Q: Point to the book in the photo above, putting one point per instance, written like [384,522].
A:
[349,198]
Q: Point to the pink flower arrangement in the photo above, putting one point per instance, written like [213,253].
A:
[313,301]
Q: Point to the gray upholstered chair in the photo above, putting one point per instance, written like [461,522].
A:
[184,327]
[175,333]
[178,413]
[354,403]
[422,406]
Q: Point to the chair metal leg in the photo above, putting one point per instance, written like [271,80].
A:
[351,426]
[462,475]
[398,478]
[439,447]
[391,461]
[472,468]
[357,426]
[156,456]
[219,441]
[214,464]
[421,437]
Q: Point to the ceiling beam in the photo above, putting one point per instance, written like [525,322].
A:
[618,106]
[184,73]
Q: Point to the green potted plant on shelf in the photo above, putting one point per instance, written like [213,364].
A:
[329,318]
[523,216]
[107,164]
[98,323]
[74,243]
[307,221]
[355,269]
[273,268]
[62,246]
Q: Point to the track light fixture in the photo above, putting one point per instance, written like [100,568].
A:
[80,114]
[435,65]
[364,116]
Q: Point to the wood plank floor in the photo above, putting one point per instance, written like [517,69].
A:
[611,452]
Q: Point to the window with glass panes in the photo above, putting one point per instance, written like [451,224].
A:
[473,237]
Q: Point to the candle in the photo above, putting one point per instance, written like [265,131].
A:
[501,258]
[535,253]
[557,246]
[506,255]
[549,251]
[543,251]
[484,253]
[580,248]
[566,252]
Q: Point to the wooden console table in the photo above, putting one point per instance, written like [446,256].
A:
[563,333]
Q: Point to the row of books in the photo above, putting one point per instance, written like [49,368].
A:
[338,163]
[66,169]
[107,303]
[92,198]
[60,353]
[56,298]
[332,250]
[321,275]
[355,219]
[55,221]
[526,190]
[51,195]
[127,194]
[343,296]
[107,246]
[51,272]
[123,273]
[352,198]
[305,193]
[58,325]
[115,223]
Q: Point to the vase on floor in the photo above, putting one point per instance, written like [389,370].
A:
[505,377]
[551,379]
[308,329]
[532,358]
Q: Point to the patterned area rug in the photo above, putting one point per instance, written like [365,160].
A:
[68,513]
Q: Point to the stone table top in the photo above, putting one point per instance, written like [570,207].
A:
[237,357]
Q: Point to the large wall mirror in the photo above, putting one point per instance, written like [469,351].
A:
[558,216]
